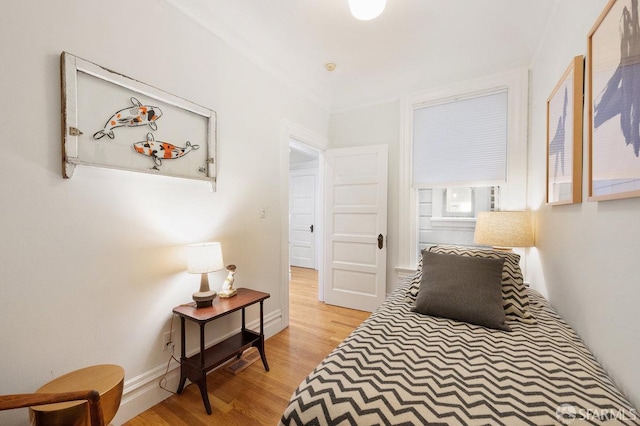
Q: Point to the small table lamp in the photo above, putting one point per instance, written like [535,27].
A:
[504,230]
[201,259]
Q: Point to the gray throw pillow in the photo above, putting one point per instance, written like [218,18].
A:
[462,288]
[515,297]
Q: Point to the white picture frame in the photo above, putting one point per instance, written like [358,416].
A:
[113,121]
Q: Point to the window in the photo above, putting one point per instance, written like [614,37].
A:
[461,141]
[463,151]
[447,215]
[458,202]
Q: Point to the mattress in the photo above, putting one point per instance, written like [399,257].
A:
[404,368]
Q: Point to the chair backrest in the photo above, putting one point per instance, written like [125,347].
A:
[10,402]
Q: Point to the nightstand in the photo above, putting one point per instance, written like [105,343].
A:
[195,367]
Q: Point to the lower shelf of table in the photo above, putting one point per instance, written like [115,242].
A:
[223,351]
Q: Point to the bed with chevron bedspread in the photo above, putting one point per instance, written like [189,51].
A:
[402,367]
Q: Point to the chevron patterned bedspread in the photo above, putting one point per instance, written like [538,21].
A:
[403,368]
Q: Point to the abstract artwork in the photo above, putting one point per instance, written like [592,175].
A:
[564,136]
[614,102]
[113,121]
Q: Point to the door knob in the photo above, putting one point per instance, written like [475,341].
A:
[380,241]
[311,229]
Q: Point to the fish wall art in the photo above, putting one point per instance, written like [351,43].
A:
[159,150]
[136,115]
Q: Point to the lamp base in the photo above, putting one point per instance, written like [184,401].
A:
[504,249]
[204,299]
[225,294]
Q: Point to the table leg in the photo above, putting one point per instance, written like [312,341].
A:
[202,348]
[244,327]
[263,356]
[202,382]
[183,357]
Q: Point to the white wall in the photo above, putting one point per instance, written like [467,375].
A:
[585,258]
[91,267]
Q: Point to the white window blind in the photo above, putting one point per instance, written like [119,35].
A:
[461,143]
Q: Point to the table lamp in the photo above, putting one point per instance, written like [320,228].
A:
[504,229]
[203,258]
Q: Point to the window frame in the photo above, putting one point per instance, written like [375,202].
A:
[512,193]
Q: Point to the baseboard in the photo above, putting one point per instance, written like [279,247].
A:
[143,391]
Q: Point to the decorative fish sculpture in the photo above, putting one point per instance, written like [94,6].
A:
[159,150]
[137,115]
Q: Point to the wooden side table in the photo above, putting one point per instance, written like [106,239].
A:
[107,379]
[195,367]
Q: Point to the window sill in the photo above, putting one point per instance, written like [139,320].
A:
[404,272]
[458,222]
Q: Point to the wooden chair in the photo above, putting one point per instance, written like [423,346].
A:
[10,402]
[65,401]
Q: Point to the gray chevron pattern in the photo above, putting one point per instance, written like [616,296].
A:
[403,368]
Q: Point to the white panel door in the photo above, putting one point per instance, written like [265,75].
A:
[302,204]
[356,227]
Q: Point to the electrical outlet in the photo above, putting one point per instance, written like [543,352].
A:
[167,341]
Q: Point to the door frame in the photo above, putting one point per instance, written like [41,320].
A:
[310,140]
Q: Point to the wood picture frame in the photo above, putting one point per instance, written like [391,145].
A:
[113,121]
[564,136]
[613,54]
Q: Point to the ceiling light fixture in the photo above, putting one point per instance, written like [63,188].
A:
[365,10]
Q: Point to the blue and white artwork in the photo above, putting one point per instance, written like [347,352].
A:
[564,136]
[560,144]
[615,90]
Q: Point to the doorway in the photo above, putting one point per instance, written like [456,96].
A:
[301,149]
[303,208]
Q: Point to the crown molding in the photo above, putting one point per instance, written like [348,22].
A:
[205,17]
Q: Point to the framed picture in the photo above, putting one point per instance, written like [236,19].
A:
[109,120]
[614,101]
[564,136]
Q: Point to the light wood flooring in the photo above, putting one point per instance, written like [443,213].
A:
[254,396]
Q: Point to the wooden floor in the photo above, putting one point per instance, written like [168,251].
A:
[254,396]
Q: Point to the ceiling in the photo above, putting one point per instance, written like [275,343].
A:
[413,45]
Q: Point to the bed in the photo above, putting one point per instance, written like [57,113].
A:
[403,367]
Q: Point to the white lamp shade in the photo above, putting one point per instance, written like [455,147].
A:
[366,9]
[504,229]
[204,258]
